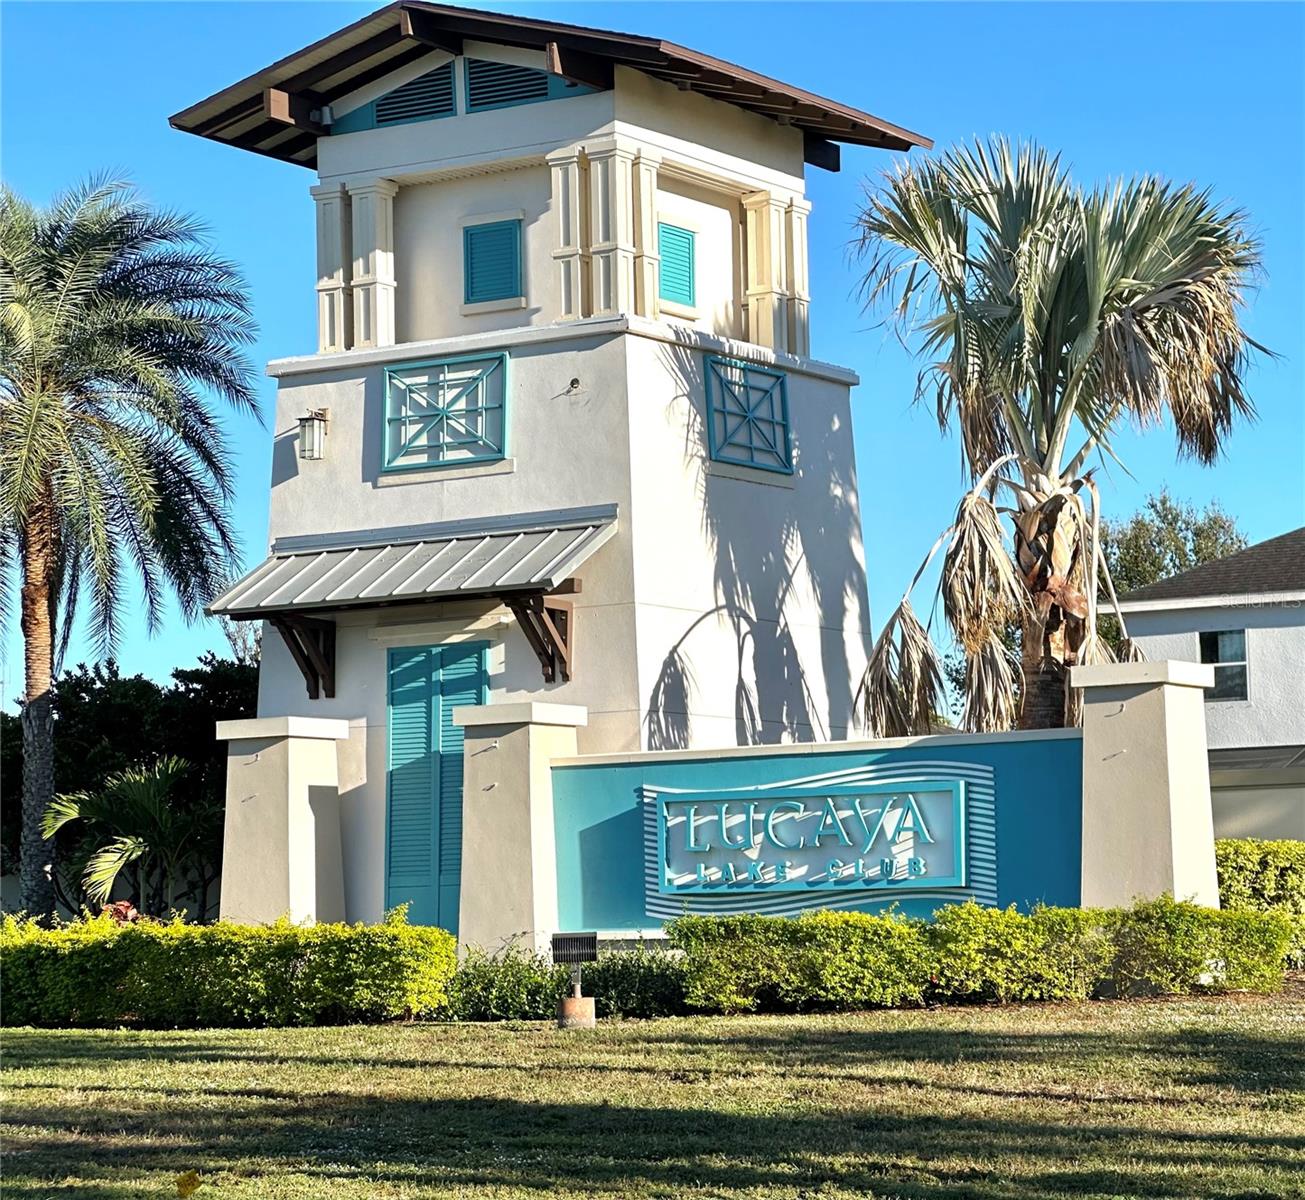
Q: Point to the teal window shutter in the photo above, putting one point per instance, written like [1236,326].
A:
[747,416]
[491,267]
[675,248]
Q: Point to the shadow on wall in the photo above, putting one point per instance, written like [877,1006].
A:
[754,578]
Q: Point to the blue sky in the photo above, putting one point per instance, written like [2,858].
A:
[1207,92]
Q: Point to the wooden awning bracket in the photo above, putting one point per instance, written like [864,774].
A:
[311,642]
[548,623]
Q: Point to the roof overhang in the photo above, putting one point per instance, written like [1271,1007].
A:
[1241,600]
[526,563]
[272,111]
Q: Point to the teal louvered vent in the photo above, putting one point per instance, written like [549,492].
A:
[491,261]
[429,95]
[498,85]
[423,850]
[747,416]
[446,412]
[422,99]
[676,251]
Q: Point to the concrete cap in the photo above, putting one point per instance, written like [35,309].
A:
[521,714]
[283,727]
[1166,671]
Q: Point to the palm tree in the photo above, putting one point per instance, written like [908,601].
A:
[138,820]
[116,326]
[1050,315]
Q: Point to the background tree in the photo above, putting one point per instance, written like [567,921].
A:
[1050,315]
[109,723]
[117,325]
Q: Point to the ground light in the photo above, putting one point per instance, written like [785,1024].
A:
[575,1011]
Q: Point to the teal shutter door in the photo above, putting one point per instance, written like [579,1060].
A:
[424,789]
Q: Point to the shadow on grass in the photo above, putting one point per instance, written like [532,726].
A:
[491,1142]
[956,1142]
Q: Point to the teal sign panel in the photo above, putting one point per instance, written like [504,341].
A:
[1002,819]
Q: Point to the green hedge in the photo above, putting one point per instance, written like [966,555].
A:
[97,973]
[1256,875]
[970,953]
[155,974]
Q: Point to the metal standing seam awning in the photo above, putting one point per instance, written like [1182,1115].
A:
[526,562]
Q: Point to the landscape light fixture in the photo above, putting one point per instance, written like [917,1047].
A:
[312,433]
[575,1011]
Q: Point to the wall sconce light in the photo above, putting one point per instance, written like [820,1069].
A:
[312,433]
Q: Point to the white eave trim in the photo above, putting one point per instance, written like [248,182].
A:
[565,331]
[1241,600]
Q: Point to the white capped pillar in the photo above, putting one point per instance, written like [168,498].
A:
[611,227]
[1147,824]
[333,306]
[768,291]
[647,261]
[509,853]
[799,274]
[372,210]
[281,848]
[569,254]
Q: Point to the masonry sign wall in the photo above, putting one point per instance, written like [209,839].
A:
[864,837]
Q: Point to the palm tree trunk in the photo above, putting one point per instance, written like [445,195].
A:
[1045,676]
[36,869]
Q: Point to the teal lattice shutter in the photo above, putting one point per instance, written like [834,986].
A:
[424,791]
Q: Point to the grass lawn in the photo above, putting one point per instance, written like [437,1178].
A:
[1168,1098]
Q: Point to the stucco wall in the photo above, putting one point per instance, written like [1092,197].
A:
[428,220]
[752,612]
[1274,713]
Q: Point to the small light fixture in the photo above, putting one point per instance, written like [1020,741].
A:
[312,433]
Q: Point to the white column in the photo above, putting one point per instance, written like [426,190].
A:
[768,290]
[1147,824]
[799,320]
[647,261]
[333,307]
[372,207]
[569,253]
[509,855]
[281,850]
[611,227]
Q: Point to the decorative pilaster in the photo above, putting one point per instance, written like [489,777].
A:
[768,290]
[372,207]
[647,261]
[333,307]
[569,254]
[799,320]
[611,227]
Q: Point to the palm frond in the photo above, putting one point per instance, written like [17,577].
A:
[901,693]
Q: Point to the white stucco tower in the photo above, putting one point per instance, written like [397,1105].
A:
[562,439]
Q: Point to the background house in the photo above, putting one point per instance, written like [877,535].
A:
[1245,615]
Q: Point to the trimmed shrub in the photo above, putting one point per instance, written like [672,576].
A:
[96,972]
[1003,955]
[512,985]
[1258,875]
[819,960]
[1173,947]
[646,981]
[517,985]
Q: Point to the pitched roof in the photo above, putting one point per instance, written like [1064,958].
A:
[271,111]
[1275,566]
[530,552]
